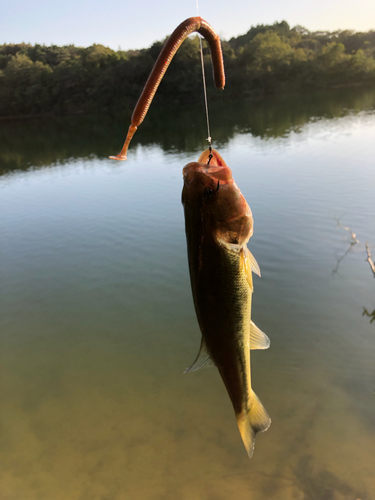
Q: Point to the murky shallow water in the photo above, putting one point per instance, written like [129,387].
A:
[98,324]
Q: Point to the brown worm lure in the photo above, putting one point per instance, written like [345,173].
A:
[191,25]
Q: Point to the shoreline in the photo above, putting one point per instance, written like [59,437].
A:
[258,98]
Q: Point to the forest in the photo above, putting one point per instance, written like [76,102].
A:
[268,59]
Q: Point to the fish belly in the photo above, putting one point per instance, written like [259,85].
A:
[222,299]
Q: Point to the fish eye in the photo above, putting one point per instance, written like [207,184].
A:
[208,192]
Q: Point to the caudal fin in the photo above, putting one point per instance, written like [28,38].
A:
[256,420]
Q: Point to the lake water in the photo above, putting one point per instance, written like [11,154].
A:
[98,324]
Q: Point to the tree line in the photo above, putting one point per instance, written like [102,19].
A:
[40,79]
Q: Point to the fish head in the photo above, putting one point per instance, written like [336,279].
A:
[211,196]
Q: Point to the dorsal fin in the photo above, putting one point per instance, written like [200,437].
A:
[203,359]
[258,339]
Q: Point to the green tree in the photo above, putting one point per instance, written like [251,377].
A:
[27,84]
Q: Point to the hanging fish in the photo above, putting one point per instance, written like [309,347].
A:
[218,224]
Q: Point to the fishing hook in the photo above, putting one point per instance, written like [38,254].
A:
[169,49]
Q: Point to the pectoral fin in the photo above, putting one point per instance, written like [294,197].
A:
[253,263]
[234,247]
[246,262]
[258,339]
[203,359]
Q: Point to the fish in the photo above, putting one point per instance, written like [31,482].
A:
[218,225]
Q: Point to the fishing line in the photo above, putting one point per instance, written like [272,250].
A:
[209,138]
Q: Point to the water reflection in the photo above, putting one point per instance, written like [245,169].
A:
[320,483]
[353,241]
[98,323]
[47,141]
[339,259]
[369,314]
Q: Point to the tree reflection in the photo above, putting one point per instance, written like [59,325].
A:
[47,141]
[351,245]
[353,241]
[369,314]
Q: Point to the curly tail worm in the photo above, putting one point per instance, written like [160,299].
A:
[166,55]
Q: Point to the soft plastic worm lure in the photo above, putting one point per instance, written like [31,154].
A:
[166,55]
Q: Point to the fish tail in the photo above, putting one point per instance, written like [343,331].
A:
[250,423]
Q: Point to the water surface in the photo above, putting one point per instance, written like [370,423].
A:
[98,324]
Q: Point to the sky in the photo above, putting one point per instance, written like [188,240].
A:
[137,24]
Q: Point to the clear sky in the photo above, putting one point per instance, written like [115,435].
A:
[137,24]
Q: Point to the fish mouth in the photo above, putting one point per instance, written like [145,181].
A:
[215,166]
[212,157]
[209,163]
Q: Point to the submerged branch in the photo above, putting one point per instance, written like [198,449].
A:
[369,259]
[353,235]
[353,242]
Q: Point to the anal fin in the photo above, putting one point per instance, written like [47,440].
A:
[258,339]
